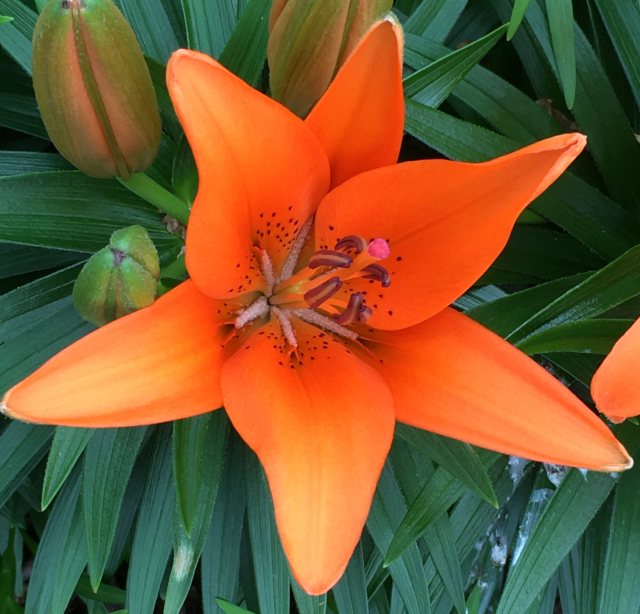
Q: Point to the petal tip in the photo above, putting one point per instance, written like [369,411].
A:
[4,408]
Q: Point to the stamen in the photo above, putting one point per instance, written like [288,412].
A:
[318,295]
[352,242]
[350,314]
[329,257]
[267,270]
[377,272]
[285,325]
[296,250]
[364,314]
[379,249]
[313,317]
[255,310]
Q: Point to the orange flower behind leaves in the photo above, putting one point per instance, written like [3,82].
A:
[317,310]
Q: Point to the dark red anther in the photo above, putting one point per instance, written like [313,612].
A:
[352,242]
[350,314]
[379,273]
[318,295]
[364,314]
[328,257]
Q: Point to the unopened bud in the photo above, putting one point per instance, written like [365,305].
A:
[310,40]
[93,88]
[119,279]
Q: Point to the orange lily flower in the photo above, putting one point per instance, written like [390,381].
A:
[615,387]
[317,309]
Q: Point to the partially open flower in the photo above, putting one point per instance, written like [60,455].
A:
[310,40]
[119,279]
[93,88]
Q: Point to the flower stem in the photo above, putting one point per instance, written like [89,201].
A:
[154,193]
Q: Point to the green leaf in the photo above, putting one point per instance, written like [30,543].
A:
[109,460]
[519,9]
[104,594]
[387,510]
[67,446]
[589,336]
[622,19]
[210,24]
[432,84]
[220,562]
[560,13]
[158,35]
[269,563]
[4,19]
[22,447]
[434,19]
[187,549]
[15,37]
[26,162]
[61,555]
[573,506]
[8,571]
[246,50]
[69,210]
[607,288]
[229,608]
[457,457]
[153,537]
[189,437]
[351,590]
[619,588]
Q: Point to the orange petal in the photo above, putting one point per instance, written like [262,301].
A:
[446,222]
[322,427]
[452,376]
[262,174]
[615,386]
[158,364]
[360,118]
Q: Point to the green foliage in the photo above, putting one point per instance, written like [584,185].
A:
[135,517]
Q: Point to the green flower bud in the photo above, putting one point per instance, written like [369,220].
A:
[119,279]
[93,88]
[309,41]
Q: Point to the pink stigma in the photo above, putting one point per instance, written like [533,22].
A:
[378,248]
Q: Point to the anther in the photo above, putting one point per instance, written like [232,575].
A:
[318,295]
[364,314]
[350,314]
[328,257]
[379,273]
[352,242]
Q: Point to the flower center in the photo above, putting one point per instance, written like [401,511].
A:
[317,285]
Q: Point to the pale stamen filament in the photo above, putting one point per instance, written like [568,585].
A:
[296,249]
[256,310]
[285,325]
[329,324]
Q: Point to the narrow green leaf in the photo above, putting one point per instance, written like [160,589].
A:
[220,562]
[519,9]
[157,34]
[387,510]
[153,536]
[308,604]
[189,436]
[433,20]
[432,84]
[602,291]
[590,337]
[4,19]
[619,588]
[61,555]
[68,210]
[104,594]
[25,162]
[8,571]
[109,460]
[568,514]
[351,590]
[67,446]
[560,14]
[229,608]
[246,50]
[209,25]
[15,36]
[457,457]
[22,447]
[187,549]
[269,563]
[622,19]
